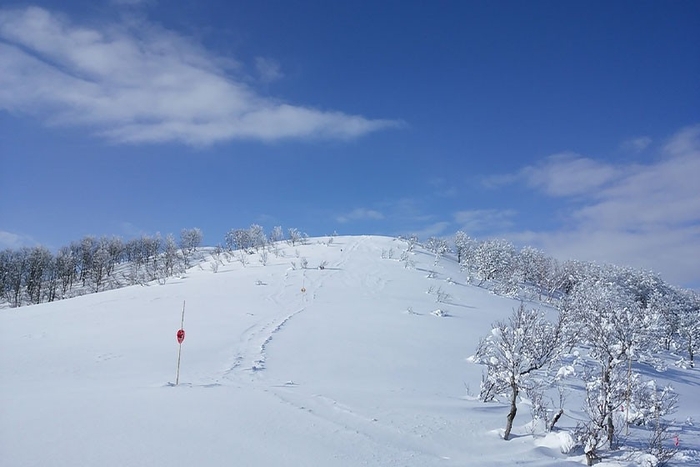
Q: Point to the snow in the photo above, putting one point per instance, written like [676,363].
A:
[280,366]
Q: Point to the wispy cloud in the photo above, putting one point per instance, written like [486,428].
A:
[268,69]
[644,215]
[484,220]
[431,230]
[568,174]
[131,2]
[360,214]
[442,188]
[135,83]
[13,240]
[636,144]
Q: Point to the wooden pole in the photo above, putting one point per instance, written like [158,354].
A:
[179,350]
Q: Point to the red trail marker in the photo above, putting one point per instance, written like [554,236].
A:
[180,337]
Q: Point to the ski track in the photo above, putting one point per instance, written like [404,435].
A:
[349,421]
[263,332]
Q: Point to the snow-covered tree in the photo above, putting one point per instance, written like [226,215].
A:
[512,352]
[536,269]
[615,329]
[143,254]
[437,246]
[101,260]
[190,240]
[294,236]
[495,260]
[39,261]
[115,248]
[653,405]
[14,270]
[412,241]
[258,239]
[277,234]
[171,257]
[84,251]
[687,310]
[463,246]
[238,239]
[66,267]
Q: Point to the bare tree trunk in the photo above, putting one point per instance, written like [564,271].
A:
[691,355]
[608,405]
[611,428]
[590,458]
[556,419]
[513,408]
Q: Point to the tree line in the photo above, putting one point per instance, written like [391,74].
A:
[32,275]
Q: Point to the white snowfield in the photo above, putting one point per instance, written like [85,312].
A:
[349,365]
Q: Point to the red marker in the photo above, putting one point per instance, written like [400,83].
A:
[180,337]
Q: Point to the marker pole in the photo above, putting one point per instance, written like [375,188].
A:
[179,350]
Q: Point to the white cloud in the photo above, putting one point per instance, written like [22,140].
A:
[568,174]
[646,216]
[561,175]
[483,220]
[360,214]
[137,83]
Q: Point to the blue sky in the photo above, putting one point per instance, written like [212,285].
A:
[570,126]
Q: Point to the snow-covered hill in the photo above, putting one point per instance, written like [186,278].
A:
[361,362]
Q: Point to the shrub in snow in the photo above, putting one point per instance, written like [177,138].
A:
[406,260]
[441,296]
[440,313]
[242,257]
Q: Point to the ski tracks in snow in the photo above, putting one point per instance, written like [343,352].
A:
[296,291]
[416,445]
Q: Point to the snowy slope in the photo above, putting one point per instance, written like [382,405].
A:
[342,366]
